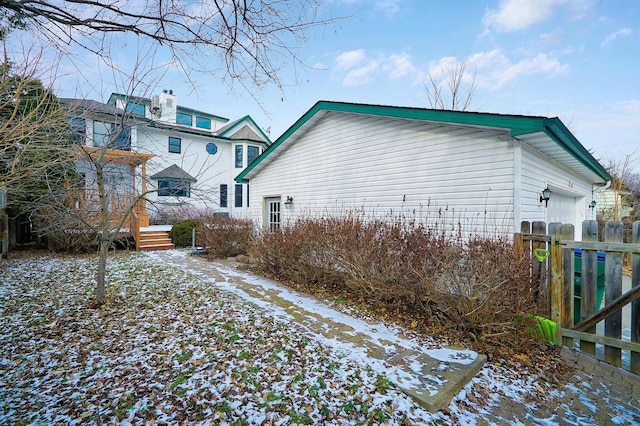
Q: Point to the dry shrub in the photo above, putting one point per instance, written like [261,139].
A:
[223,237]
[474,285]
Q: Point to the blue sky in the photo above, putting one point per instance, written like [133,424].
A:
[578,60]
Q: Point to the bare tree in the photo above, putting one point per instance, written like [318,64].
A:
[621,193]
[451,86]
[251,39]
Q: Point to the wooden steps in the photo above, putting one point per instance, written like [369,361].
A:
[155,240]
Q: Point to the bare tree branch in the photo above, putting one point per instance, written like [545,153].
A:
[253,39]
[451,86]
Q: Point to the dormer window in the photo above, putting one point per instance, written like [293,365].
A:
[184,119]
[203,123]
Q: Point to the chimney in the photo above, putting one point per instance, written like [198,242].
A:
[168,104]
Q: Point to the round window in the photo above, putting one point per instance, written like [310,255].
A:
[212,148]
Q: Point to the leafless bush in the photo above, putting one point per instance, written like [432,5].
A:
[474,284]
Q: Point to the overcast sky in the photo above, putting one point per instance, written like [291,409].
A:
[578,60]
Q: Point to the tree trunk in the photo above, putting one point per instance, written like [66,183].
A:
[102,267]
[103,245]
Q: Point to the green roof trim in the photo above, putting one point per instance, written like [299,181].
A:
[518,125]
[230,126]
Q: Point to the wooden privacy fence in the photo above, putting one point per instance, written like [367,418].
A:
[580,285]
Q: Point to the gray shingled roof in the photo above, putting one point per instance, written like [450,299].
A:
[173,172]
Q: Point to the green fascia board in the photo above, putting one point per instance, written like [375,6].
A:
[247,118]
[563,137]
[516,124]
[135,99]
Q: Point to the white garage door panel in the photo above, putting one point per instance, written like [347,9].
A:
[561,208]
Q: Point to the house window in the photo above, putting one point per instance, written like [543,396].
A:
[101,133]
[252,153]
[239,149]
[184,119]
[211,148]
[203,123]
[78,130]
[172,188]
[238,202]
[123,140]
[175,145]
[106,134]
[135,108]
[223,195]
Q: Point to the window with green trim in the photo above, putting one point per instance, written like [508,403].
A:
[238,197]
[172,188]
[223,195]
[175,145]
[239,149]
[252,153]
[203,123]
[184,119]
[135,108]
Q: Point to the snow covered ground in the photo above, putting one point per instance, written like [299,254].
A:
[172,348]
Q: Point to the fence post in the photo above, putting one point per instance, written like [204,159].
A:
[635,305]
[589,283]
[557,278]
[568,258]
[541,288]
[613,290]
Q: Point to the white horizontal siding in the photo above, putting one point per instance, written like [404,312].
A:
[348,162]
[538,171]
[209,170]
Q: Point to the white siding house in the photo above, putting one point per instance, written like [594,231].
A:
[488,170]
[196,154]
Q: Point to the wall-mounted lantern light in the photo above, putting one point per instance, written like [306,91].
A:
[546,194]
[289,200]
[592,204]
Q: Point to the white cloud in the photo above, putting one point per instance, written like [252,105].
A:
[349,59]
[398,66]
[495,69]
[355,68]
[623,32]
[362,75]
[516,15]
[387,6]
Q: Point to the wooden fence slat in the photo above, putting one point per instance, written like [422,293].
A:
[568,259]
[588,286]
[613,290]
[634,366]
[613,306]
[539,270]
[622,344]
[595,245]
[557,277]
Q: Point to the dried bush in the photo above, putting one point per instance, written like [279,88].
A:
[223,237]
[475,285]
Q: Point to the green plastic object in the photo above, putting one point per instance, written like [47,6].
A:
[546,329]
[541,254]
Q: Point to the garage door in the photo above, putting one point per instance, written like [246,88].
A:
[561,208]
